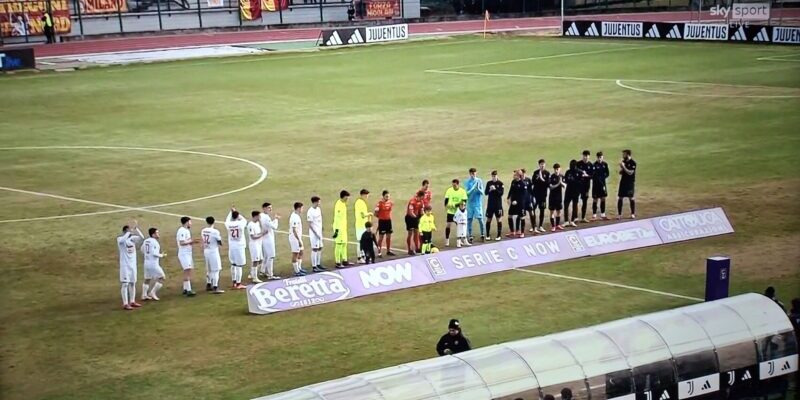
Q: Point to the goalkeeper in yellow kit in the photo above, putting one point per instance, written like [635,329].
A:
[340,230]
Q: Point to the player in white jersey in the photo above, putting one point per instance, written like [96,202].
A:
[314,218]
[212,239]
[255,245]
[296,239]
[153,273]
[185,242]
[126,244]
[236,225]
[268,227]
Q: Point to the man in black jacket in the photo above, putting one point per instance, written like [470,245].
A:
[454,341]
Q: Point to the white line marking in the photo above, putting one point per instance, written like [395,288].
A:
[582,53]
[122,208]
[666,92]
[780,58]
[258,181]
[617,285]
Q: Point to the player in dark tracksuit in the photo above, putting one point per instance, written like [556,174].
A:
[541,182]
[587,171]
[555,200]
[494,204]
[572,193]
[599,189]
[627,182]
[516,201]
[527,206]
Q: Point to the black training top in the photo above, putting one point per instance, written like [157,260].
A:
[494,197]
[628,179]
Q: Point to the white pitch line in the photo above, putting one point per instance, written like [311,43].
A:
[582,53]
[612,80]
[780,58]
[617,285]
[261,178]
[668,93]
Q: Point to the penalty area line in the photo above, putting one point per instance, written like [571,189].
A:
[611,284]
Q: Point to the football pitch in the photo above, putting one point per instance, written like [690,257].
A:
[83,153]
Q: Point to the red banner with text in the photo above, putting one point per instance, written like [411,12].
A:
[381,9]
[24,18]
[103,6]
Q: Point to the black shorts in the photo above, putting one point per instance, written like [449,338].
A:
[494,212]
[427,237]
[585,192]
[384,226]
[625,190]
[515,209]
[570,196]
[412,223]
[541,200]
[450,217]
[599,190]
[555,203]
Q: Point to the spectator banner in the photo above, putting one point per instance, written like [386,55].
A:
[24,18]
[386,33]
[692,225]
[382,9]
[103,6]
[328,287]
[250,9]
[741,33]
[13,59]
[274,5]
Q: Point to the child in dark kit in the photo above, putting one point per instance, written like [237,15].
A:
[368,243]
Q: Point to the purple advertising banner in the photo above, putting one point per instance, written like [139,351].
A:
[502,256]
[619,237]
[692,225]
[331,286]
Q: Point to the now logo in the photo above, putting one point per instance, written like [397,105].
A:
[386,275]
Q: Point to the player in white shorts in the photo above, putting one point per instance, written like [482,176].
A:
[211,242]
[184,239]
[296,239]
[314,218]
[126,244]
[268,227]
[153,273]
[255,245]
[236,225]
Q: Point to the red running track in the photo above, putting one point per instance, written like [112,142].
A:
[92,46]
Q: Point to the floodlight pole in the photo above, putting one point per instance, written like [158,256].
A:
[562,17]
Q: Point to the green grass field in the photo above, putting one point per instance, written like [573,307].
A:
[369,117]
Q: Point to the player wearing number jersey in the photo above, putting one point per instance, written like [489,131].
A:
[268,227]
[362,215]
[126,244]
[185,241]
[340,230]
[255,245]
[236,225]
[314,219]
[152,267]
[296,239]
[212,239]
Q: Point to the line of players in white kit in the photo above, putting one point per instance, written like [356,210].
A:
[257,235]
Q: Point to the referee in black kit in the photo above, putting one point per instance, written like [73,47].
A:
[627,182]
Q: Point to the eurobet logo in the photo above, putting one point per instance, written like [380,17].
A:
[743,11]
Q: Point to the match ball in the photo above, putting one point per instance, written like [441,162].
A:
[434,249]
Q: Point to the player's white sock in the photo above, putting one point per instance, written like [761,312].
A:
[239,274]
[156,286]
[132,292]
[299,264]
[253,272]
[187,285]
[263,267]
[145,288]
[296,266]
[215,279]
[269,267]
[124,292]
[208,278]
